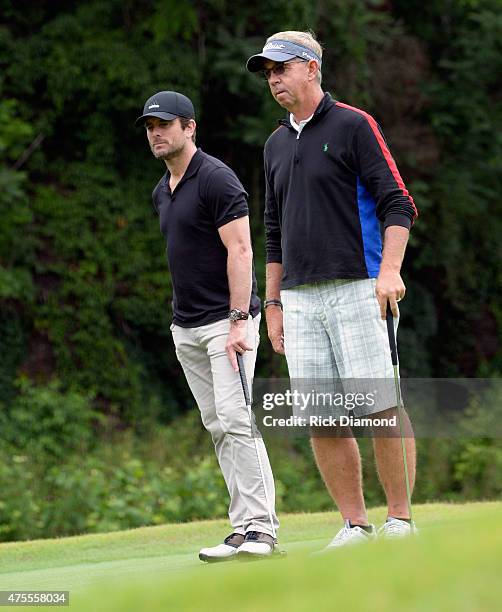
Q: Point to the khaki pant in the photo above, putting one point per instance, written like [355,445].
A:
[217,390]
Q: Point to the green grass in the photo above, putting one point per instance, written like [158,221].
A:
[454,564]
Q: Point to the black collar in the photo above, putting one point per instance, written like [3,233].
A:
[322,108]
[192,168]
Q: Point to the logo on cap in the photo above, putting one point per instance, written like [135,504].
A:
[273,45]
[153,106]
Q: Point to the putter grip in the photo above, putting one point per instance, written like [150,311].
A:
[392,335]
[244,382]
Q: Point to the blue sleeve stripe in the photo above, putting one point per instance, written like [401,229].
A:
[372,239]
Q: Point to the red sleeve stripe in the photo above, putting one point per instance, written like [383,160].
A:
[385,150]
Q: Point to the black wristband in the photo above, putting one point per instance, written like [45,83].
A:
[273,303]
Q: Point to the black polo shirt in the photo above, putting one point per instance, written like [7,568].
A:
[208,196]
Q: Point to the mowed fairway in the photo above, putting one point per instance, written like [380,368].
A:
[455,563]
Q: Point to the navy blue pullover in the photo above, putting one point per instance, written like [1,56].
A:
[330,194]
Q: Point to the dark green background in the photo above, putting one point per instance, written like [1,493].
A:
[84,289]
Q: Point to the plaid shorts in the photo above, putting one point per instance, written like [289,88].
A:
[336,342]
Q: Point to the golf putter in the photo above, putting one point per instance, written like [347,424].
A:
[395,364]
[254,432]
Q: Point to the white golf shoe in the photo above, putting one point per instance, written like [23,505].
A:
[350,535]
[257,545]
[396,528]
[222,552]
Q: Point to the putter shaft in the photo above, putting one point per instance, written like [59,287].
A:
[395,365]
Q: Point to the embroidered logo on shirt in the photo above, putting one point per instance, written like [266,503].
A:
[325,147]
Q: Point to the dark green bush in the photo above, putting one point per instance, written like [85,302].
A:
[84,288]
[49,423]
[171,474]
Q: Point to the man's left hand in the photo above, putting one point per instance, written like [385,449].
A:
[237,342]
[389,288]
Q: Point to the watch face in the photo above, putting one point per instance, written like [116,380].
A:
[237,315]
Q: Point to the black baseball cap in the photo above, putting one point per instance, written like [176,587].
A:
[167,105]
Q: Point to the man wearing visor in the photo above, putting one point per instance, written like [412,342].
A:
[337,220]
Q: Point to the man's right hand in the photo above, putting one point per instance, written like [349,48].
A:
[275,328]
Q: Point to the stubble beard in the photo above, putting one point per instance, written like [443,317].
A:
[168,155]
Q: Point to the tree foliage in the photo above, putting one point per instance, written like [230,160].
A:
[84,288]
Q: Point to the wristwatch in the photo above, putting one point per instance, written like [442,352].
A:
[237,315]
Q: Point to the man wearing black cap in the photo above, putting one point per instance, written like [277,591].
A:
[203,214]
[337,219]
